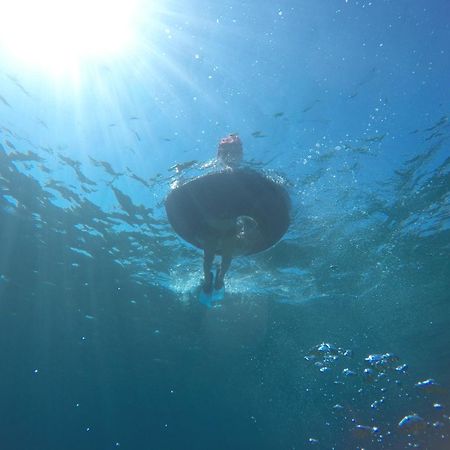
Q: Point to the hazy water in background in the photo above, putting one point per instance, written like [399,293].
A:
[102,341]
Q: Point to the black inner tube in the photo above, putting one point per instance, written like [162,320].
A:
[195,207]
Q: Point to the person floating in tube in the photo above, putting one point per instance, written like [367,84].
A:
[233,212]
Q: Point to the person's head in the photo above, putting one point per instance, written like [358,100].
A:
[230,150]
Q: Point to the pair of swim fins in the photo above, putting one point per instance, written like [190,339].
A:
[208,299]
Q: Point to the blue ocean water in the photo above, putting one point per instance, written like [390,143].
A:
[335,338]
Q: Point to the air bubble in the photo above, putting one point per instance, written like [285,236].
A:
[364,431]
[413,422]
[429,385]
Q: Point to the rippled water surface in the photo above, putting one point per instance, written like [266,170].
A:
[335,338]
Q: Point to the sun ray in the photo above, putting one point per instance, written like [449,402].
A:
[57,35]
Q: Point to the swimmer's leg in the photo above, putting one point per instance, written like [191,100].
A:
[219,287]
[227,256]
[208,259]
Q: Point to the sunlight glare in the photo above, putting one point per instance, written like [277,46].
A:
[59,34]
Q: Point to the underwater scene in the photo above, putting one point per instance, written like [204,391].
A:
[334,334]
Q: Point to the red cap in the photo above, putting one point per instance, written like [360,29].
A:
[230,149]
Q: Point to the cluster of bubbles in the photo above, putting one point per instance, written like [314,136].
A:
[405,414]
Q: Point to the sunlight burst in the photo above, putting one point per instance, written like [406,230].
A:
[59,34]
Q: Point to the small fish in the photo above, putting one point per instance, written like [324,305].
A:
[180,167]
[41,122]
[106,166]
[133,118]
[278,114]
[258,134]
[360,149]
[29,156]
[134,176]
[441,121]
[434,135]
[3,100]
[376,138]
[137,135]
[309,107]
[9,144]
[44,168]
[6,130]
[368,77]
[47,149]
[69,161]
[16,82]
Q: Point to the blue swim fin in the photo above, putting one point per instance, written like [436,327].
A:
[205,298]
[208,298]
[218,294]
